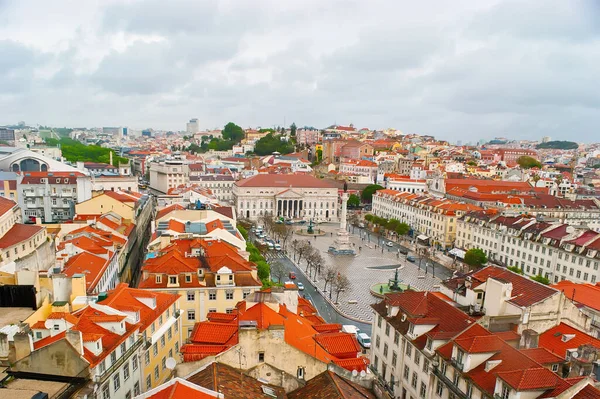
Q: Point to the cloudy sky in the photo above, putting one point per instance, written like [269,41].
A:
[459,70]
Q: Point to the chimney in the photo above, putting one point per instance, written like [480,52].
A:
[75,339]
[529,339]
[22,347]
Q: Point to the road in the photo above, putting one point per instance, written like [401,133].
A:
[323,307]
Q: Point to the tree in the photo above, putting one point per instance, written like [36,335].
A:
[341,283]
[527,162]
[369,217]
[278,271]
[402,229]
[232,132]
[472,163]
[558,145]
[242,231]
[475,257]
[541,279]
[354,201]
[293,130]
[283,232]
[272,143]
[329,275]
[303,249]
[319,155]
[367,193]
[392,224]
[515,269]
[263,270]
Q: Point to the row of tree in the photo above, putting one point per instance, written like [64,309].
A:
[75,151]
[398,227]
[315,266]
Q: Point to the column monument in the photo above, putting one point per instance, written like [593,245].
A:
[341,245]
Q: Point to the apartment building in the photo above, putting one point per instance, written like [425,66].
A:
[431,219]
[556,251]
[407,329]
[51,196]
[210,276]
[360,167]
[168,173]
[220,185]
[405,184]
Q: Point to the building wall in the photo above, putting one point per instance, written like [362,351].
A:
[24,248]
[102,204]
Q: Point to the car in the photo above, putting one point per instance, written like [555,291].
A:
[300,286]
[277,247]
[270,245]
[389,244]
[292,275]
[411,258]
[364,340]
[307,297]
[403,251]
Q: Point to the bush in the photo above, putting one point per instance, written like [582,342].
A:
[541,279]
[264,270]
[515,269]
[242,231]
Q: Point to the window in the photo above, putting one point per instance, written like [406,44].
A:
[164,363]
[172,279]
[459,357]
[113,357]
[136,389]
[387,329]
[126,371]
[176,346]
[261,357]
[147,358]
[158,278]
[156,373]
[116,382]
[155,349]
[123,348]
[505,391]
[212,296]
[134,362]
[375,362]
[191,315]
[188,278]
[423,390]
[555,367]
[396,337]
[385,349]
[191,296]
[162,341]
[469,389]
[425,366]
[394,358]
[417,357]
[414,381]
[429,344]
[379,320]
[102,367]
[406,372]
[455,377]
[408,350]
[170,332]
[148,383]
[229,295]
[106,392]
[377,341]
[439,388]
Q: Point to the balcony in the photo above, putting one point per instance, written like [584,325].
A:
[109,371]
[596,322]
[449,384]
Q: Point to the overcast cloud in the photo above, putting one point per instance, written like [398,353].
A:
[459,70]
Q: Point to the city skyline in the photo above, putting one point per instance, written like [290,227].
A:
[469,69]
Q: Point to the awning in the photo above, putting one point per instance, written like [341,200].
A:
[459,253]
[422,237]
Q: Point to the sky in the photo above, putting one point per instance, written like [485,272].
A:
[459,70]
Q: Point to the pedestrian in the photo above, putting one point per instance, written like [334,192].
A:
[315,237]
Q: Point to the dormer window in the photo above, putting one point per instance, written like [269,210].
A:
[158,278]
[505,391]
[411,329]
[460,355]
[429,344]
[188,278]
[172,279]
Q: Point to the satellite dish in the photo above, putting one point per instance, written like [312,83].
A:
[574,355]
[363,373]
[171,363]
[354,373]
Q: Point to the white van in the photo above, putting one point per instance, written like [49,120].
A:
[349,328]
[364,340]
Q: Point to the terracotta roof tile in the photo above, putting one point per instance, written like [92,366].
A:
[530,379]
[543,356]
[328,385]
[561,338]
[19,233]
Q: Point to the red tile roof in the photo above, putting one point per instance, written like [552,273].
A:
[19,233]
[584,294]
[552,339]
[480,344]
[329,385]
[339,344]
[165,211]
[65,177]
[6,205]
[588,392]
[214,333]
[542,356]
[530,379]
[92,266]
[180,389]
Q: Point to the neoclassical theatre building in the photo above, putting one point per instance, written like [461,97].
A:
[293,196]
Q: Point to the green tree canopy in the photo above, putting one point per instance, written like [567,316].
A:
[402,229]
[527,162]
[367,193]
[232,132]
[293,129]
[541,279]
[475,257]
[392,224]
[272,143]
[515,269]
[75,151]
[558,145]
[369,217]
[354,200]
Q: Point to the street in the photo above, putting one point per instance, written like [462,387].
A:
[322,306]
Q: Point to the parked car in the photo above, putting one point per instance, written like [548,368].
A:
[300,286]
[389,244]
[403,251]
[364,340]
[350,329]
[292,275]
[277,247]
[410,258]
[270,245]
